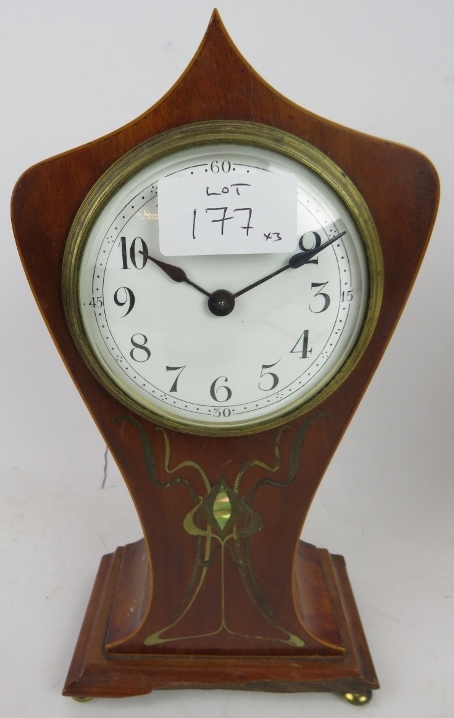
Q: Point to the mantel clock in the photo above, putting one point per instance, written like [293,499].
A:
[221,277]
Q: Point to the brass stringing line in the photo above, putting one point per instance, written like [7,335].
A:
[209,536]
[291,637]
[251,586]
[292,640]
[149,459]
[210,561]
[202,578]
[223,625]
[197,563]
[149,462]
[168,470]
[205,564]
[155,638]
[257,462]
[194,596]
[195,568]
[253,591]
[295,454]
[240,563]
[258,598]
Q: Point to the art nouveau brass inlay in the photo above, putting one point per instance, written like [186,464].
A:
[221,523]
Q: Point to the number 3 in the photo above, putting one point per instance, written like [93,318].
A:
[326,297]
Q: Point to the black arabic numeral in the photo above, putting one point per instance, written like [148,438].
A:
[302,346]
[347,296]
[138,346]
[221,412]
[215,389]
[96,302]
[134,252]
[225,166]
[314,240]
[175,368]
[129,299]
[274,377]
[326,297]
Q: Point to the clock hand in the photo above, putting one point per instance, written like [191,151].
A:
[221,302]
[305,256]
[175,273]
[297,260]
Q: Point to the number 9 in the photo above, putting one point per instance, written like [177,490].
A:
[129,299]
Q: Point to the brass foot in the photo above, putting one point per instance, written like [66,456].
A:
[82,699]
[358,699]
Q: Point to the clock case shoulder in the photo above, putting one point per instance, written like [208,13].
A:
[399,185]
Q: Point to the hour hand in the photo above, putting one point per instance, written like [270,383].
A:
[175,273]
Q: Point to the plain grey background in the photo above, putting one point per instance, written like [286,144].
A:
[73,70]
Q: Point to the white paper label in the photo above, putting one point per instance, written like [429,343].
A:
[244,214]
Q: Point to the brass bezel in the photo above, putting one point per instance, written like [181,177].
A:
[221,132]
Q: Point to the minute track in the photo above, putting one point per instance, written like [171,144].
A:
[175,327]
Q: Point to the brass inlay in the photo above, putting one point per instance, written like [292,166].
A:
[222,521]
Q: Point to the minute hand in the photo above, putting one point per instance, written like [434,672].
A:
[297,260]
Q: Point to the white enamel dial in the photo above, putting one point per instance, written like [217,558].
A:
[157,342]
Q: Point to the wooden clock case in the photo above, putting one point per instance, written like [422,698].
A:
[195,604]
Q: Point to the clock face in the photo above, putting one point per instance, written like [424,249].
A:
[289,323]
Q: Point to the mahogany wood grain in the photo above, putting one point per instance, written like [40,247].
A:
[95,673]
[303,590]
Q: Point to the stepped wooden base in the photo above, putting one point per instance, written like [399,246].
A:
[94,673]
